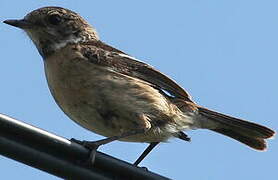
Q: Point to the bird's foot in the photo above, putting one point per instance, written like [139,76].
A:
[92,146]
[143,168]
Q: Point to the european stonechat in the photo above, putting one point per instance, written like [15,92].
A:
[115,95]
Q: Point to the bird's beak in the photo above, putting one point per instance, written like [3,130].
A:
[22,23]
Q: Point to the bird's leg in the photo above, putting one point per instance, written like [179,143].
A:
[180,135]
[145,153]
[93,145]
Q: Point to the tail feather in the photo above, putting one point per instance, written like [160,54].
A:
[256,143]
[249,133]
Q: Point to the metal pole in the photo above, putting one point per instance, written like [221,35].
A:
[61,157]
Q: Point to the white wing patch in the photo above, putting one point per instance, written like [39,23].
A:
[130,57]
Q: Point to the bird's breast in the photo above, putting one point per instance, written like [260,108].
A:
[74,83]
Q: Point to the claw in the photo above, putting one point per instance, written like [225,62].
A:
[143,168]
[76,141]
[92,146]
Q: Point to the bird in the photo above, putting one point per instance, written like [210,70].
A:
[113,94]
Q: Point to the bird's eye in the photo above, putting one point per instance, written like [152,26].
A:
[54,19]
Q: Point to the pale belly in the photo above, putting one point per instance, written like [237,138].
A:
[110,104]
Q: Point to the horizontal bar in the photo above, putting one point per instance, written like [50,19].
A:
[61,157]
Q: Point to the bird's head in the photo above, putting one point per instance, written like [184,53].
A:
[52,28]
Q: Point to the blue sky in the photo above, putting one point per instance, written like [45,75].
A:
[223,52]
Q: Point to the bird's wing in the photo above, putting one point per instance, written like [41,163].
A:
[102,54]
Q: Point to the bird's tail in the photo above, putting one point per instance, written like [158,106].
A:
[249,133]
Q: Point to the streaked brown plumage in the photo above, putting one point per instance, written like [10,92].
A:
[110,93]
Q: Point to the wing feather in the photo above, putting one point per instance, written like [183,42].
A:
[102,54]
